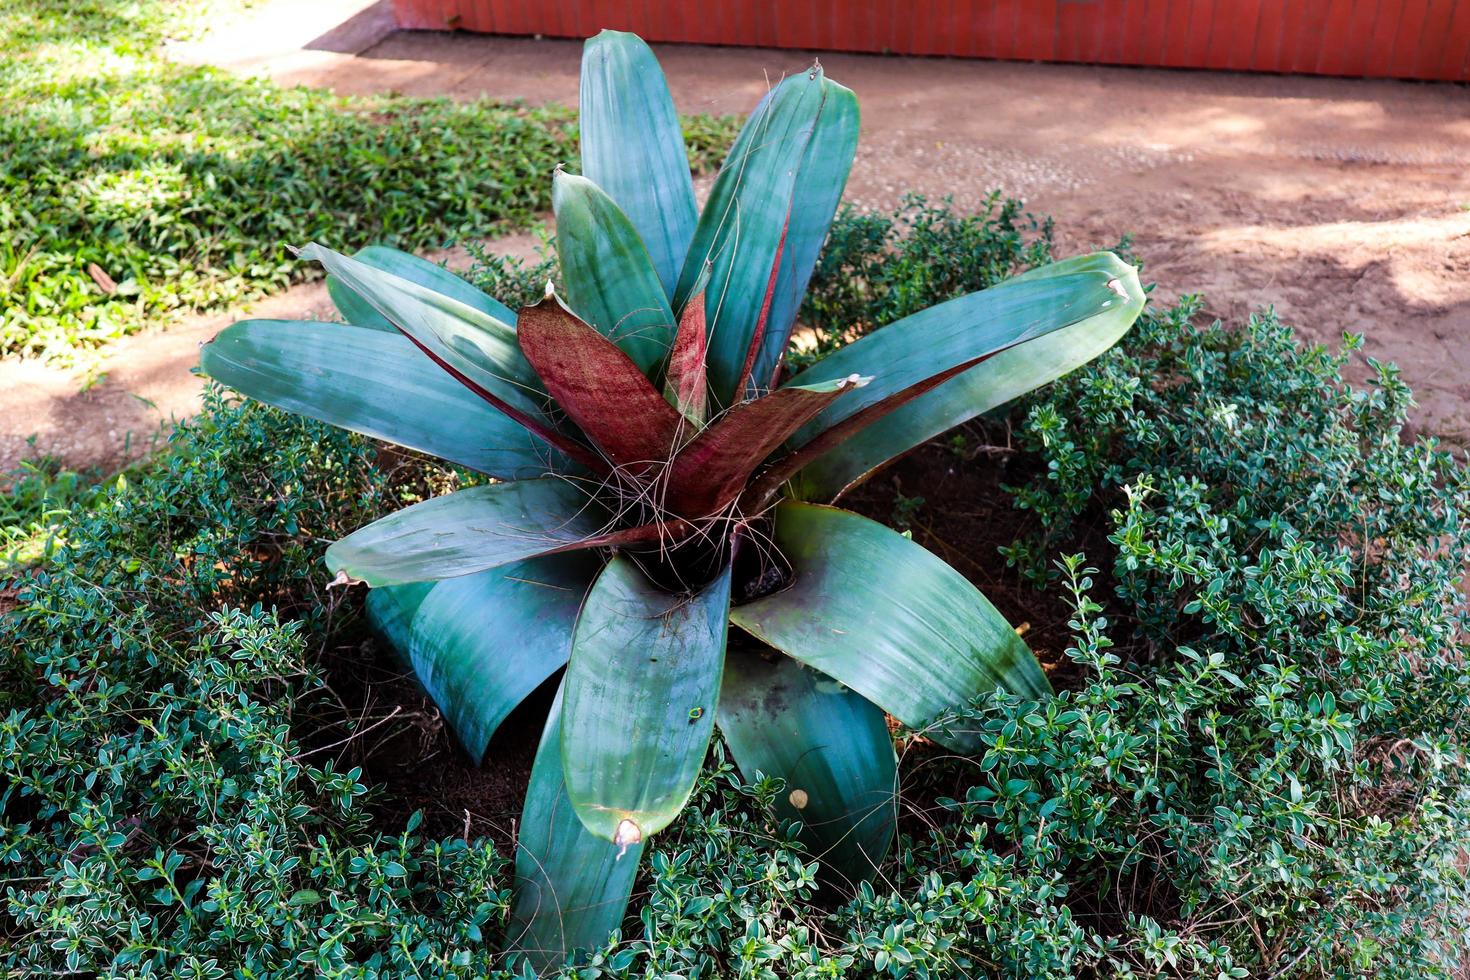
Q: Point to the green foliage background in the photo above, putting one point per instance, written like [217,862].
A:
[1258,769]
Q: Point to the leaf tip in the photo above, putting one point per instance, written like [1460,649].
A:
[342,580]
[627,835]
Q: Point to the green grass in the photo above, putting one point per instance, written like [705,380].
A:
[42,496]
[133,189]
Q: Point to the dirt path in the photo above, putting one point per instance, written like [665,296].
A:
[1346,204]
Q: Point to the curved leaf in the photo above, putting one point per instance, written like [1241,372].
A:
[986,386]
[469,531]
[641,692]
[632,146]
[961,332]
[480,643]
[829,744]
[474,342]
[355,309]
[478,351]
[606,272]
[743,223]
[888,619]
[818,189]
[375,383]
[571,888]
[709,473]
[599,387]
[391,610]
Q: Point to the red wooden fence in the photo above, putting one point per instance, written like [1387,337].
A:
[1428,39]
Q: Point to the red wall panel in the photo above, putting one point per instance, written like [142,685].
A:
[1427,39]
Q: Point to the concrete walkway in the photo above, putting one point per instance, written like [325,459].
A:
[1344,203]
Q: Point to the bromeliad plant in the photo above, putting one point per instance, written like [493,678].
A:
[656,478]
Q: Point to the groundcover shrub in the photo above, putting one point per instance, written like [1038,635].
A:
[1278,680]
[1253,767]
[161,816]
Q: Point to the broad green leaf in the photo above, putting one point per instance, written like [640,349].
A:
[609,280]
[599,387]
[571,888]
[480,643]
[743,223]
[818,191]
[478,350]
[376,383]
[480,345]
[955,335]
[986,386]
[709,472]
[633,148]
[829,744]
[356,310]
[888,619]
[431,275]
[469,531]
[391,611]
[641,692]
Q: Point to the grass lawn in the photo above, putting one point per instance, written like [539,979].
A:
[133,189]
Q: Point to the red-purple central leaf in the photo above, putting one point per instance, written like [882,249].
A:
[599,387]
[759,336]
[709,473]
[685,381]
